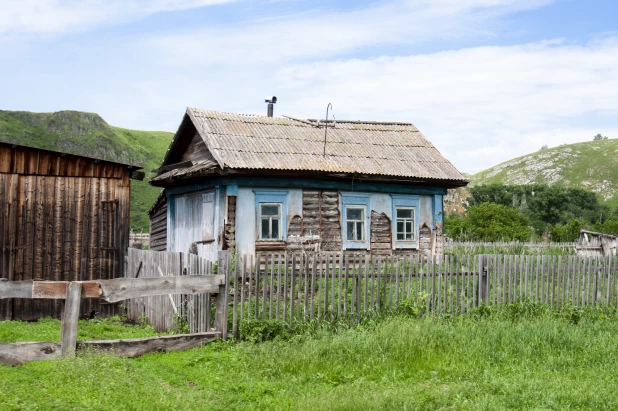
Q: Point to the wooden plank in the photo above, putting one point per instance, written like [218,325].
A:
[313,268]
[58,289]
[292,289]
[15,289]
[271,287]
[125,288]
[68,327]
[139,346]
[21,353]
[278,288]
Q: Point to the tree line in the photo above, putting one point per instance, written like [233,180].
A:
[500,212]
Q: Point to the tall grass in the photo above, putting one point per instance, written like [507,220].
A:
[523,356]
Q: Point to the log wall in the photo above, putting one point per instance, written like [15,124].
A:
[62,217]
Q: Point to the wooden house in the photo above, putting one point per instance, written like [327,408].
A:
[270,184]
[62,217]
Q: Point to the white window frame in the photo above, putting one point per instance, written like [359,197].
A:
[362,221]
[405,220]
[270,223]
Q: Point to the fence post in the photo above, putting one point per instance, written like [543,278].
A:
[68,328]
[222,296]
[482,282]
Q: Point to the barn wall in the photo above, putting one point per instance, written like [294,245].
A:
[62,217]
[158,226]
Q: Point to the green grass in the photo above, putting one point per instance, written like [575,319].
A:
[524,357]
[88,134]
[48,329]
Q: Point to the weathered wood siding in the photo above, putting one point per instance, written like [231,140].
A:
[63,217]
[230,224]
[158,225]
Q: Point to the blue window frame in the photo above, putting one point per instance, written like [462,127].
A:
[405,221]
[355,220]
[271,210]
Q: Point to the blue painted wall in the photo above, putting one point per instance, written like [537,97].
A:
[378,197]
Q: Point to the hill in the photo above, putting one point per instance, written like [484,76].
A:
[88,134]
[591,165]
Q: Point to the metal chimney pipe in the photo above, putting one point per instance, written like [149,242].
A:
[271,100]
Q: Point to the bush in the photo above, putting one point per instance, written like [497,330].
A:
[491,222]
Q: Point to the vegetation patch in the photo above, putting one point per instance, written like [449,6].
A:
[48,329]
[525,356]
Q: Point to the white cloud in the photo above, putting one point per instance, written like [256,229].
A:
[479,105]
[323,33]
[56,16]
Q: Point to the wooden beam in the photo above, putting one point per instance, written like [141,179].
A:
[16,289]
[126,288]
[140,346]
[23,352]
[58,289]
[70,318]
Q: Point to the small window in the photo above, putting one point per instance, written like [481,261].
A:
[270,221]
[405,224]
[355,224]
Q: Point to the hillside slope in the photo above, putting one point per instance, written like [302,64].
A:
[88,134]
[591,165]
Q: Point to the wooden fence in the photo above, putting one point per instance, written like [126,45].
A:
[111,291]
[348,287]
[173,311]
[509,247]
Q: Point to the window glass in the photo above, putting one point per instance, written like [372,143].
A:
[404,213]
[270,209]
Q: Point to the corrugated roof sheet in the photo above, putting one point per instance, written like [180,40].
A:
[257,142]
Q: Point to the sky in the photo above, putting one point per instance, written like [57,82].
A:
[484,80]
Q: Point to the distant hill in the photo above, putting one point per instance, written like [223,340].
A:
[592,166]
[88,134]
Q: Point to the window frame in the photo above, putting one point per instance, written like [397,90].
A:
[405,202]
[405,220]
[352,201]
[271,197]
[270,224]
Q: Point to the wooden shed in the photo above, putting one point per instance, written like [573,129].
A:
[63,217]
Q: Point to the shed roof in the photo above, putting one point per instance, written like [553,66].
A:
[239,141]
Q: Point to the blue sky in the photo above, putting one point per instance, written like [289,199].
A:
[484,80]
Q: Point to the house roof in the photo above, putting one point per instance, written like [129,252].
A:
[239,141]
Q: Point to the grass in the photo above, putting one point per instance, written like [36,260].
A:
[522,357]
[48,329]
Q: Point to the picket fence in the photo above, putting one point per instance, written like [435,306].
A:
[349,287]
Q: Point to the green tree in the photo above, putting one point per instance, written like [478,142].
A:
[490,222]
[567,232]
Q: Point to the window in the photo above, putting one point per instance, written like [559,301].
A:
[271,210]
[405,223]
[355,220]
[355,223]
[270,221]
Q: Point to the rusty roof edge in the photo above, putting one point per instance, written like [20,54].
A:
[199,126]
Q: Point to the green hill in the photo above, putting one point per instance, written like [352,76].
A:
[88,134]
[592,166]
